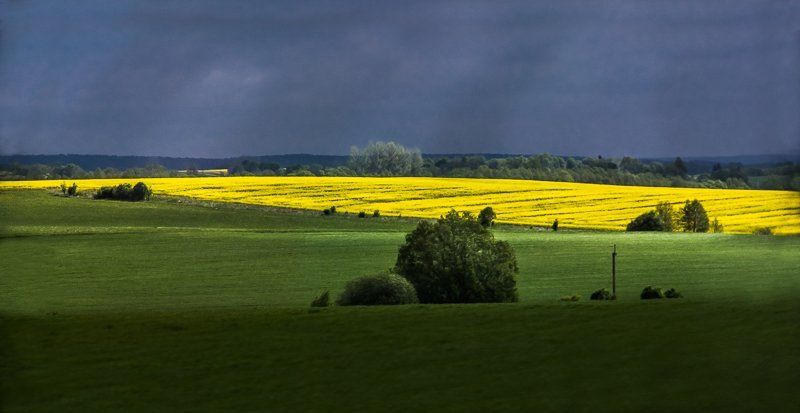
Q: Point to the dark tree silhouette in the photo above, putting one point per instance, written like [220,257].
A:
[457,260]
[694,217]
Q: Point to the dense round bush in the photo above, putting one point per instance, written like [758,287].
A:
[140,192]
[671,293]
[381,289]
[121,192]
[762,231]
[650,293]
[487,217]
[649,221]
[601,294]
[125,192]
[457,260]
[362,214]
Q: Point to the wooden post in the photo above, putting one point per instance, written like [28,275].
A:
[614,273]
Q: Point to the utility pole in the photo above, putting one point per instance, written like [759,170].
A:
[614,273]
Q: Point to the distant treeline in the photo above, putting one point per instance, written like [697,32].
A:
[18,171]
[392,159]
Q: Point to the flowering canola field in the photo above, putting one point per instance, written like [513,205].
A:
[525,202]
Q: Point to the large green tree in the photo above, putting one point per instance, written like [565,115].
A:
[385,159]
[457,260]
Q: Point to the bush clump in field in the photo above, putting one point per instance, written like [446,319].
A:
[322,300]
[457,260]
[716,227]
[649,221]
[662,218]
[487,216]
[601,294]
[693,217]
[71,190]
[376,214]
[362,214]
[381,289]
[125,192]
[650,293]
[672,293]
[762,231]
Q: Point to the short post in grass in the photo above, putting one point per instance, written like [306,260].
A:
[614,273]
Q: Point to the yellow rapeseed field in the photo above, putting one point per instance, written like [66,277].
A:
[589,206]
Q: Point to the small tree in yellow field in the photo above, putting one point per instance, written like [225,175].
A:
[694,217]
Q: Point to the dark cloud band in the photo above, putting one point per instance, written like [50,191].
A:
[567,77]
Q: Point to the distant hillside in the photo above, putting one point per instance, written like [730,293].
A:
[703,164]
[92,162]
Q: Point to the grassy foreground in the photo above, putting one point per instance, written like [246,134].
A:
[110,306]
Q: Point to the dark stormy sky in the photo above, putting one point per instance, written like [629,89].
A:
[642,78]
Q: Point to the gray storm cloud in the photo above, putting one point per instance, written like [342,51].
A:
[655,78]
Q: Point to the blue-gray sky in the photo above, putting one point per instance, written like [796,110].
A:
[199,78]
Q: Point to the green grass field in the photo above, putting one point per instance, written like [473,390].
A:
[165,306]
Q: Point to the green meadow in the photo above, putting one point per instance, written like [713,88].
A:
[175,305]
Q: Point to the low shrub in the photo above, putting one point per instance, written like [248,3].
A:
[716,226]
[323,300]
[362,214]
[601,294]
[671,293]
[762,231]
[69,190]
[140,192]
[326,211]
[668,215]
[649,221]
[381,289]
[650,293]
[124,192]
[376,213]
[487,216]
[574,297]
